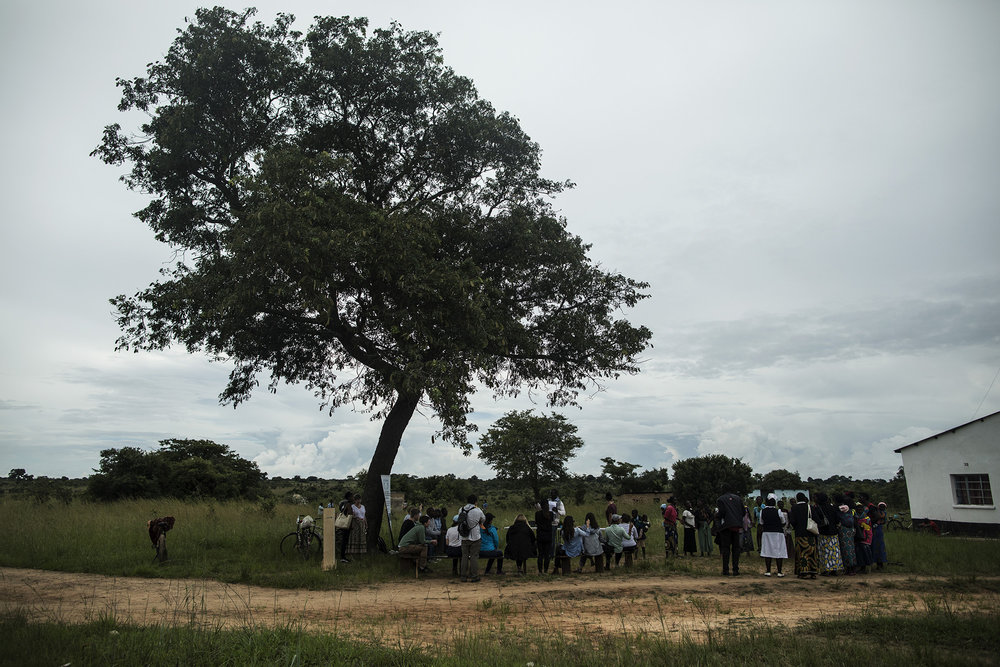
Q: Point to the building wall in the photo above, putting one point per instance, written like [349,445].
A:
[971,450]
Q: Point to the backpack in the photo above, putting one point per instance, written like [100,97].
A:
[463,522]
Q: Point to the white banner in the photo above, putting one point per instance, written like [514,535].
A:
[388,506]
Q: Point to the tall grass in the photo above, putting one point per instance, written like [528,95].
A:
[237,542]
[233,541]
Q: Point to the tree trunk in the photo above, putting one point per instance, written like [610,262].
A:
[382,460]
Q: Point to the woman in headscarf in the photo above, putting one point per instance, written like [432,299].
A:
[863,540]
[846,536]
[772,536]
[806,562]
[879,553]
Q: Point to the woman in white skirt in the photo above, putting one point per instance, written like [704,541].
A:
[772,538]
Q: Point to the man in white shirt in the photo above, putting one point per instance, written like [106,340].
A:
[558,510]
[469,567]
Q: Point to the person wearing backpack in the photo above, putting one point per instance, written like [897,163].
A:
[470,520]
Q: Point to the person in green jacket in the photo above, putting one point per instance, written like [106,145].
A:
[615,534]
[414,543]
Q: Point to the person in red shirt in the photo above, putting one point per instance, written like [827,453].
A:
[670,527]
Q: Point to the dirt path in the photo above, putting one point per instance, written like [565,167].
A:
[403,612]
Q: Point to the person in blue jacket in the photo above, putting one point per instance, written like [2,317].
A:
[490,547]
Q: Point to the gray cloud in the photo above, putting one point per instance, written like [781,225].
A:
[809,189]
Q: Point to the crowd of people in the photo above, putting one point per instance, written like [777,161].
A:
[822,536]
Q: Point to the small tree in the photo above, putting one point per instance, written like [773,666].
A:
[622,473]
[704,478]
[19,475]
[529,447]
[654,479]
[780,479]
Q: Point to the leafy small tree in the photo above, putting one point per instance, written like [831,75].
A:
[780,479]
[19,475]
[702,479]
[534,448]
[180,468]
[349,214]
[621,473]
[654,479]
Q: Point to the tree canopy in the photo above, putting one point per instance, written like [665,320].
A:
[621,473]
[179,469]
[534,448]
[780,479]
[349,214]
[702,479]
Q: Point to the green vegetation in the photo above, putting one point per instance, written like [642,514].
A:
[934,638]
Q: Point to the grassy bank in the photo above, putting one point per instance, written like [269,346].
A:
[938,638]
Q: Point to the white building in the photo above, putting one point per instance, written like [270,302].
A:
[949,475]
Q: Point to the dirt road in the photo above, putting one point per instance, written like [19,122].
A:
[404,612]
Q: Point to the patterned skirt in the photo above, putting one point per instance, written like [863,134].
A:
[847,553]
[806,561]
[357,540]
[829,553]
[670,539]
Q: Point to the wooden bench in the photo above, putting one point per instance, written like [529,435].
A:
[598,563]
[564,563]
[408,562]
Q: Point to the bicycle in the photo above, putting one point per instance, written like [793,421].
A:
[899,522]
[305,541]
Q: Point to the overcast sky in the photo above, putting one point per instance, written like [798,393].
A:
[812,189]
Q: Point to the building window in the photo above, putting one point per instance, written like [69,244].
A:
[972,489]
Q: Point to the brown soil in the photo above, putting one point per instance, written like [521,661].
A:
[407,611]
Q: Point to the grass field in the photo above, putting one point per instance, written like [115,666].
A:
[238,543]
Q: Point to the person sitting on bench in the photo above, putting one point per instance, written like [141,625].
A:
[414,543]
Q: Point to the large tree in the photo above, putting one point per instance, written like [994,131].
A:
[532,448]
[348,214]
[702,479]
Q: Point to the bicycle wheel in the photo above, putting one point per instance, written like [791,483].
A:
[288,543]
[894,524]
[311,545]
[161,548]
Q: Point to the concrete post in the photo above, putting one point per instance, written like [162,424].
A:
[330,539]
